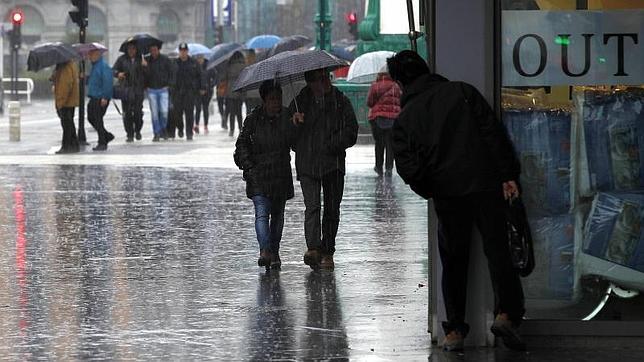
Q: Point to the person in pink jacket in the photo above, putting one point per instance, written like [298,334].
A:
[384,106]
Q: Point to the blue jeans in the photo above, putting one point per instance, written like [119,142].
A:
[269,222]
[158,99]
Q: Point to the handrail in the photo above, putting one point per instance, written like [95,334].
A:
[27,92]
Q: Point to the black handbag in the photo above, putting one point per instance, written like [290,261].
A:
[519,237]
[123,92]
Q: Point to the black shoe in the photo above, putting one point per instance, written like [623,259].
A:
[188,138]
[231,133]
[264,259]
[388,173]
[155,139]
[110,137]
[180,133]
[312,259]
[378,171]
[276,262]
[509,334]
[138,136]
[196,129]
[129,140]
[100,148]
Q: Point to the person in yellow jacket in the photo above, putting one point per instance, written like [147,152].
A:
[66,92]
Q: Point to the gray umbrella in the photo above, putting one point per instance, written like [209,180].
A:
[286,67]
[292,42]
[49,54]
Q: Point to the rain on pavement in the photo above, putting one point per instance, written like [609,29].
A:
[121,262]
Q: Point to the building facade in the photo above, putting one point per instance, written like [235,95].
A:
[112,21]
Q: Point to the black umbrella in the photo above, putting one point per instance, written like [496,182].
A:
[143,42]
[286,67]
[221,53]
[289,43]
[48,54]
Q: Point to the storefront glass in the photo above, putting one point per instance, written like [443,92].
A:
[573,102]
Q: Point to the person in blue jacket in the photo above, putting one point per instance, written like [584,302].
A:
[99,93]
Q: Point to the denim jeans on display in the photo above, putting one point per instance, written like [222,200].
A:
[553,238]
[542,141]
[614,133]
[615,229]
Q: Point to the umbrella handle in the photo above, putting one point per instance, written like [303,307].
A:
[297,108]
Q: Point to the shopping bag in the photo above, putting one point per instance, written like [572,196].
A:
[519,237]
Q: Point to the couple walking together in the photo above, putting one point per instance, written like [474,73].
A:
[319,126]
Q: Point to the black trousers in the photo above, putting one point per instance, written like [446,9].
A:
[456,218]
[384,146]
[233,110]
[132,116]
[221,106]
[70,140]
[332,186]
[203,103]
[95,114]
[182,105]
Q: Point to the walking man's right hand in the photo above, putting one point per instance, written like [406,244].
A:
[510,190]
[298,118]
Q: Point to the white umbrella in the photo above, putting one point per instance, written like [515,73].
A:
[366,67]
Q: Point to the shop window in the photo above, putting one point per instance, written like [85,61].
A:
[573,103]
[168,26]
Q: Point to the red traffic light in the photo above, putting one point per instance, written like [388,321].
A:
[17,17]
[352,18]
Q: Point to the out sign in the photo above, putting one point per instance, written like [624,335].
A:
[542,48]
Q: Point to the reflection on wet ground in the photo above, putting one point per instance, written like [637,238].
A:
[156,263]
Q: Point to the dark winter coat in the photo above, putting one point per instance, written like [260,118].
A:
[159,73]
[134,74]
[263,152]
[383,99]
[329,128]
[448,142]
[188,77]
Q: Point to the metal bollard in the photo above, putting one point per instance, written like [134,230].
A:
[14,121]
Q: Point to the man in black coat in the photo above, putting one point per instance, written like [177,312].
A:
[326,127]
[131,76]
[449,146]
[189,85]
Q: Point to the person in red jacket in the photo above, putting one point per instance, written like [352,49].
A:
[384,103]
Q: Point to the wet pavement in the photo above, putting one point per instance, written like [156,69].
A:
[109,262]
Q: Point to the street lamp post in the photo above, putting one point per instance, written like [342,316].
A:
[323,21]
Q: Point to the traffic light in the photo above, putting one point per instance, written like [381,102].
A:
[352,22]
[79,16]
[17,18]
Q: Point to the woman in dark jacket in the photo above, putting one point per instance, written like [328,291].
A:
[263,153]
[384,103]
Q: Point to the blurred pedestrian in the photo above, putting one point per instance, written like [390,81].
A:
[263,153]
[188,87]
[66,92]
[251,99]
[203,103]
[384,106]
[99,93]
[450,146]
[131,82]
[221,101]
[326,127]
[159,73]
[234,100]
